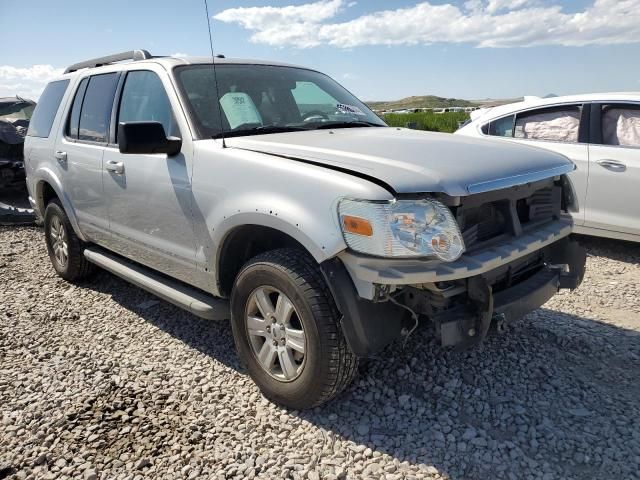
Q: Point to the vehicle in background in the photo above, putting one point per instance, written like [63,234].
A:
[15,113]
[600,133]
[269,194]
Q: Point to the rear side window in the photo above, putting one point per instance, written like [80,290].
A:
[45,112]
[74,118]
[551,124]
[621,125]
[144,99]
[95,115]
[502,127]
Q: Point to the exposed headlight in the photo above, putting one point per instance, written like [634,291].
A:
[401,228]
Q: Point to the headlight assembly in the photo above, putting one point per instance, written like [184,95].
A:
[401,229]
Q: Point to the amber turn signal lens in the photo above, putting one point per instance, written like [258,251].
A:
[357,225]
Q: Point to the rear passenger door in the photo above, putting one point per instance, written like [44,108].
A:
[149,196]
[613,201]
[80,149]
[561,128]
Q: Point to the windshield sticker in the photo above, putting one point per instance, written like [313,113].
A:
[240,109]
[350,109]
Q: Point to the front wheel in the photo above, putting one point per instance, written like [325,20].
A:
[287,332]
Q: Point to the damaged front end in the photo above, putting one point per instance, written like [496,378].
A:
[519,254]
[464,310]
[15,114]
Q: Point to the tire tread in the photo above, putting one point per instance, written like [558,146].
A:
[304,272]
[78,266]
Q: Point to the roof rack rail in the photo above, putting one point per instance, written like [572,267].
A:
[116,57]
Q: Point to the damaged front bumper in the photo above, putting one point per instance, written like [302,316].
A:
[497,284]
[468,323]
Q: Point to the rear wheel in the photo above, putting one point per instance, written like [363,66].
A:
[66,250]
[287,332]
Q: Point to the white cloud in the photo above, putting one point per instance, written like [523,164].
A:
[26,82]
[483,23]
[498,5]
[290,25]
[179,54]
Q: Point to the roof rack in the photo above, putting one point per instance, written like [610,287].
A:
[116,57]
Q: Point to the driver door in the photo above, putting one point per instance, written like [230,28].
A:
[149,196]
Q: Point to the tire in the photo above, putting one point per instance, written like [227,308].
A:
[327,365]
[60,237]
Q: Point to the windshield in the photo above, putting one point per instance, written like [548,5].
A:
[258,99]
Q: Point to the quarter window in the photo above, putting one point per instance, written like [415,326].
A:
[555,125]
[502,127]
[621,125]
[95,115]
[45,112]
[144,99]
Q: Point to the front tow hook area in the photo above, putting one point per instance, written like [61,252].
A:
[467,325]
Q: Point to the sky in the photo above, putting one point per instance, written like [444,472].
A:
[380,50]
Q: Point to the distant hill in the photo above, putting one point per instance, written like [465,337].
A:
[426,101]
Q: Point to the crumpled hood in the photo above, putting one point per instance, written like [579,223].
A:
[411,161]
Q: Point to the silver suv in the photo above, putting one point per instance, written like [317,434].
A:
[268,194]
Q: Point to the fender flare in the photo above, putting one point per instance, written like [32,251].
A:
[319,252]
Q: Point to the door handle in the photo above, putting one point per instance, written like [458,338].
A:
[61,156]
[115,167]
[613,165]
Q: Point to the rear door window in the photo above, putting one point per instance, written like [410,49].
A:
[95,116]
[74,116]
[560,124]
[621,125]
[45,112]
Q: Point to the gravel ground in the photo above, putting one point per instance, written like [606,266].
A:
[101,380]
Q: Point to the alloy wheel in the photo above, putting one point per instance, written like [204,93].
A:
[275,333]
[59,242]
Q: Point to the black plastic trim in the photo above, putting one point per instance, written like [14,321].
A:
[595,129]
[367,326]
[525,297]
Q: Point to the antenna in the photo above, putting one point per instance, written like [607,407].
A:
[215,77]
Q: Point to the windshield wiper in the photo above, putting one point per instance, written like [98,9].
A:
[259,130]
[351,124]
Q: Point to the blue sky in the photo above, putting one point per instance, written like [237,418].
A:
[378,49]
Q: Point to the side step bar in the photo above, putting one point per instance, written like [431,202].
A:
[181,295]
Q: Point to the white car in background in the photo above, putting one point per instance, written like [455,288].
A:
[600,133]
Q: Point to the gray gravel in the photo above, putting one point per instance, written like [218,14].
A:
[101,380]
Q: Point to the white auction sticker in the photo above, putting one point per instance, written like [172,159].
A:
[240,109]
[350,109]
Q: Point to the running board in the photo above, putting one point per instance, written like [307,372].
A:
[181,295]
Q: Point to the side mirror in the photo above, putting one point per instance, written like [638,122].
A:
[146,137]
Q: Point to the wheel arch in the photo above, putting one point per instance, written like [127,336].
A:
[47,187]
[243,241]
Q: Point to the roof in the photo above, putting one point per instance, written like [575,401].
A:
[142,56]
[533,102]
